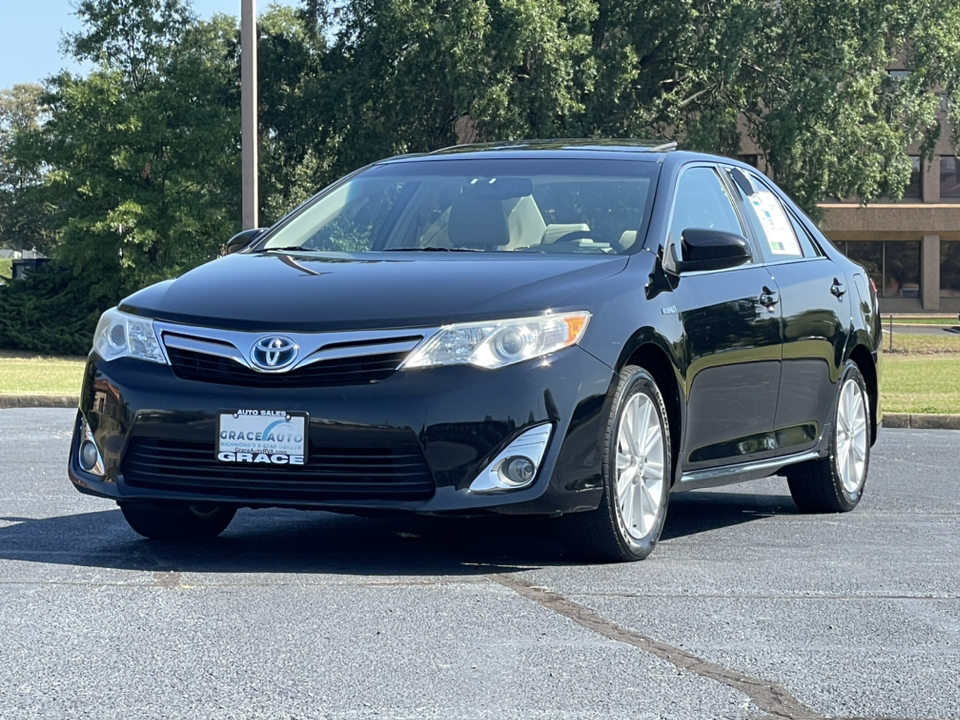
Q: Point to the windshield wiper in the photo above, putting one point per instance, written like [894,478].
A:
[290,248]
[300,248]
[432,249]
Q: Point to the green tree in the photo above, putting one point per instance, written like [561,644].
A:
[416,75]
[806,80]
[144,151]
[822,106]
[401,75]
[23,210]
[293,86]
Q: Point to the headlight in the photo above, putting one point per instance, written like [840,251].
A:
[498,343]
[121,335]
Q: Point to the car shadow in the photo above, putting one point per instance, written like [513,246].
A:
[287,541]
[702,511]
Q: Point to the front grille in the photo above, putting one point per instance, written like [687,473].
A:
[364,369]
[331,473]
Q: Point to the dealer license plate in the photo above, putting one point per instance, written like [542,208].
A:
[266,437]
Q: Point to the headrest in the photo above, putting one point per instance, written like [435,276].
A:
[478,222]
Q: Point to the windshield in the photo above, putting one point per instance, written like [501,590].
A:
[503,205]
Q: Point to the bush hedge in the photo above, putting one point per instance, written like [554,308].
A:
[48,312]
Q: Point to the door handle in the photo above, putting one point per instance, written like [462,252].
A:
[769,298]
[838,288]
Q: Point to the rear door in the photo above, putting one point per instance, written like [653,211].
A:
[731,344]
[814,298]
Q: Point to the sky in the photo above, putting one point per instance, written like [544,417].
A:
[30,33]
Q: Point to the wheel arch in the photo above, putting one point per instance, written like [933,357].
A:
[654,359]
[862,356]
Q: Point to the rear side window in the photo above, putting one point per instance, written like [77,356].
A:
[807,244]
[780,235]
[702,201]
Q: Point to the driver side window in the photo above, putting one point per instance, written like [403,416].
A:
[701,201]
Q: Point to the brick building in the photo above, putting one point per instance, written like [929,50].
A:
[911,248]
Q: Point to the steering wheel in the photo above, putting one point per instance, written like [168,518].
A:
[591,235]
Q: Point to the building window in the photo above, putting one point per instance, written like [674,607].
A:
[893,266]
[949,268]
[949,177]
[753,160]
[901,269]
[914,190]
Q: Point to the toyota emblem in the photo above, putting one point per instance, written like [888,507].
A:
[273,353]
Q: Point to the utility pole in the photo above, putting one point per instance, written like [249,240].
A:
[249,125]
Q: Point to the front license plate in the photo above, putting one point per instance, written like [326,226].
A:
[267,437]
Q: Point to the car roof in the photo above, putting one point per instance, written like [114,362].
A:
[582,148]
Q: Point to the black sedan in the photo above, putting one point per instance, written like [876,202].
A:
[566,329]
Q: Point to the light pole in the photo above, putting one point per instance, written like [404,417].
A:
[248,113]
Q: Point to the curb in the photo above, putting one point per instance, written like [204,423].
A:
[39,401]
[921,421]
[917,421]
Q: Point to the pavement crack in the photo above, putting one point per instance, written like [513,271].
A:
[770,697]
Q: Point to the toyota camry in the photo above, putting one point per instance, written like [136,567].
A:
[567,329]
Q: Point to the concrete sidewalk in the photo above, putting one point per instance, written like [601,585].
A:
[890,420]
[39,401]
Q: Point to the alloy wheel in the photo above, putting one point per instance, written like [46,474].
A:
[640,462]
[852,437]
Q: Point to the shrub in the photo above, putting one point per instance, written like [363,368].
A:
[49,312]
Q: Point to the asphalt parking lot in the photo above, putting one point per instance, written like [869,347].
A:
[925,329]
[747,609]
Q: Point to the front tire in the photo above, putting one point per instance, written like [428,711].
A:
[636,469]
[835,483]
[177,521]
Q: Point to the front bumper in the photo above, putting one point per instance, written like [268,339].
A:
[414,441]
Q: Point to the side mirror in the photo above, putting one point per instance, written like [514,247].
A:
[243,239]
[709,249]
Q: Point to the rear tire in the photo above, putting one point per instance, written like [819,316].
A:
[835,483]
[177,521]
[636,469]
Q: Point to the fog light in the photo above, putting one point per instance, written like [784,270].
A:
[516,467]
[518,470]
[89,454]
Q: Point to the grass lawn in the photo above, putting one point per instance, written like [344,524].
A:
[949,319]
[921,374]
[909,344]
[27,374]
[921,383]
[6,268]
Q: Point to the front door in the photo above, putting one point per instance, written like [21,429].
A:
[731,321]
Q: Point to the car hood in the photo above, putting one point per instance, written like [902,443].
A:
[314,293]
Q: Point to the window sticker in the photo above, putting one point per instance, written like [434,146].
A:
[775,223]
